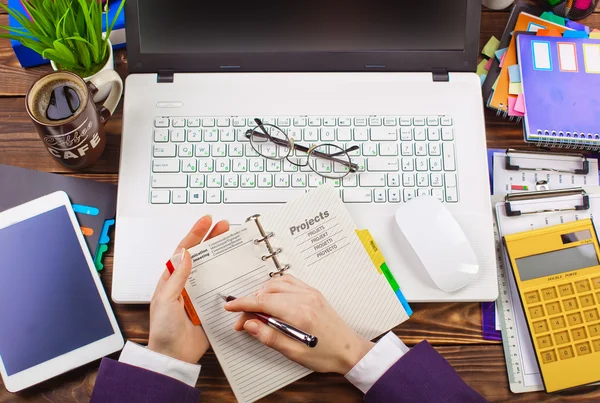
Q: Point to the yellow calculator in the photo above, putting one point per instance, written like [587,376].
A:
[557,271]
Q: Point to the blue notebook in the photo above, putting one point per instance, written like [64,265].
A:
[561,87]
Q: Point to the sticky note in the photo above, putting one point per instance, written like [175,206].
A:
[567,57]
[495,83]
[595,35]
[514,72]
[515,88]
[482,77]
[549,32]
[502,60]
[520,104]
[541,55]
[488,64]
[548,16]
[575,34]
[591,56]
[512,101]
[500,52]
[533,27]
[575,25]
[481,68]
[491,47]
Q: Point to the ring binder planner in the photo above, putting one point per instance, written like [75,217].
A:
[585,168]
[272,252]
[543,194]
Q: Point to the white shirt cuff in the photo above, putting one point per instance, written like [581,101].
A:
[382,357]
[139,356]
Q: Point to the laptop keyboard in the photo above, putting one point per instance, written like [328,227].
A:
[199,160]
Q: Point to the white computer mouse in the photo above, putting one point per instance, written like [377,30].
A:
[438,241]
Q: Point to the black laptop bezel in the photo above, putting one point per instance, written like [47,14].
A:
[398,61]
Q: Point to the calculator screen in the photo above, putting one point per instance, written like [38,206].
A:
[556,262]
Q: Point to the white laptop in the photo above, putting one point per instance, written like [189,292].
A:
[396,79]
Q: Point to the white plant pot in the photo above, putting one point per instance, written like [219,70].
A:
[497,4]
[103,92]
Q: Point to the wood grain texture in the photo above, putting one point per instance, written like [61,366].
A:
[454,329]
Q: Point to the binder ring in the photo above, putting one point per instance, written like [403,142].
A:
[264,238]
[280,272]
[272,254]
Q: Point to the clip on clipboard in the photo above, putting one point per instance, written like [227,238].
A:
[510,212]
[585,164]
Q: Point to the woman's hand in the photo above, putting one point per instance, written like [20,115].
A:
[339,347]
[172,333]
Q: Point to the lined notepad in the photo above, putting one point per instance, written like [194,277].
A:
[318,240]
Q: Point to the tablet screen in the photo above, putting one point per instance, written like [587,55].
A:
[49,303]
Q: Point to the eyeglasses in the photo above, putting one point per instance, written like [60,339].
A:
[327,160]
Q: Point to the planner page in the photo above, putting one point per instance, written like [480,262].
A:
[322,249]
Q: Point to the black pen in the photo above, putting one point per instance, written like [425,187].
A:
[285,328]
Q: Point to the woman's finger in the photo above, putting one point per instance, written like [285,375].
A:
[219,228]
[196,234]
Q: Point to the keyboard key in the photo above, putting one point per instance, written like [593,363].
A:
[594,330]
[205,165]
[544,341]
[591,315]
[532,297]
[165,165]
[197,181]
[419,121]
[344,122]
[394,195]
[160,197]
[283,122]
[548,356]
[273,165]
[214,181]
[596,282]
[282,180]
[562,337]
[239,122]
[161,122]
[299,122]
[553,308]
[222,165]
[436,180]
[193,122]
[408,180]
[219,150]
[202,150]
[596,344]
[361,134]
[177,135]
[208,122]
[223,122]
[578,334]
[574,319]
[267,196]
[357,195]
[558,323]
[389,121]
[433,121]
[565,353]
[179,196]
[196,196]
[408,164]
[583,348]
[438,193]
[371,179]
[434,149]
[239,165]
[407,149]
[289,167]
[423,192]
[314,122]
[587,300]
[248,180]
[164,150]
[161,135]
[328,134]
[565,289]
[447,134]
[379,195]
[177,122]
[299,180]
[420,134]
[536,312]
[227,135]
[433,134]
[409,194]
[393,180]
[406,134]
[360,121]
[405,121]
[421,164]
[344,134]
[379,164]
[435,164]
[421,149]
[582,286]
[549,293]
[257,164]
[449,157]
[540,326]
[311,134]
[186,150]
[211,135]
[213,196]
[169,181]
[250,151]
[350,180]
[570,304]
[264,180]
[422,180]
[375,121]
[369,149]
[188,165]
[446,121]
[194,135]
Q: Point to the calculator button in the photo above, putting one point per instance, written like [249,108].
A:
[565,289]
[598,296]
[542,326]
[549,293]
[574,319]
[536,311]
[558,322]
[553,308]
[594,330]
[566,352]
[570,304]
[591,315]
[548,356]
[561,337]
[583,348]
[544,341]
[578,334]
[582,286]
[596,282]
[587,300]
[532,297]
[596,344]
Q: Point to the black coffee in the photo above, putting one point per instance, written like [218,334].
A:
[64,102]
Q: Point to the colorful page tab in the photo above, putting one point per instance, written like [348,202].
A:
[515,89]
[491,47]
[520,104]
[500,52]
[575,34]
[514,72]
[541,55]
[567,57]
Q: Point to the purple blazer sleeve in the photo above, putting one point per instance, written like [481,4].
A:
[422,375]
[119,382]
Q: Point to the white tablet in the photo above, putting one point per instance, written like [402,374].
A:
[54,313]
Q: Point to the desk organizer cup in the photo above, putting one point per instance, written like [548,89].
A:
[63,112]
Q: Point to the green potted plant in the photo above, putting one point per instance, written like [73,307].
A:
[68,32]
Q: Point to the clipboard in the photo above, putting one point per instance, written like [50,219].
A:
[518,171]
[537,210]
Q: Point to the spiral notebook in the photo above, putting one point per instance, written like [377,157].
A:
[561,86]
[313,238]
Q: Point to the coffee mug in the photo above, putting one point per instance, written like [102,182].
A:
[63,112]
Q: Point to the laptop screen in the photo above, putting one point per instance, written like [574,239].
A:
[193,26]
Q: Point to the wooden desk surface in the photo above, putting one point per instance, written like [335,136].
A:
[454,329]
